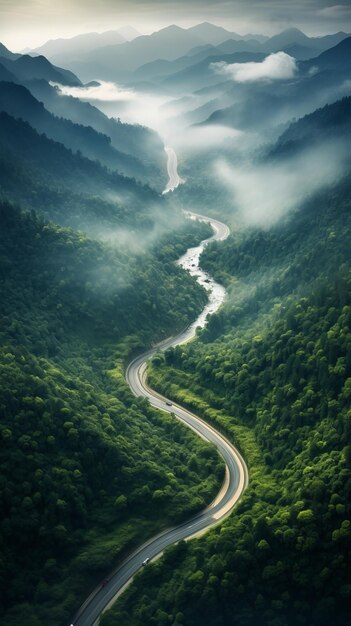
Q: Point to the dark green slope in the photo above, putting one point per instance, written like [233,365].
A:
[5,74]
[136,150]
[18,102]
[334,58]
[26,67]
[86,470]
[135,140]
[83,463]
[317,82]
[273,371]
[70,189]
[332,122]
[7,54]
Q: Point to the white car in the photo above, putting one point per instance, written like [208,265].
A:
[146,561]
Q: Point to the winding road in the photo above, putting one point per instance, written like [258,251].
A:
[236,474]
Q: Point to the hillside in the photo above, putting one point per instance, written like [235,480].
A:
[90,236]
[172,43]
[18,102]
[272,370]
[293,42]
[335,58]
[332,122]
[44,176]
[134,140]
[136,150]
[79,446]
[5,53]
[26,67]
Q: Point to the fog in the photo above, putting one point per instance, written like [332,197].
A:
[217,150]
[159,112]
[102,91]
[154,224]
[201,138]
[263,194]
[134,107]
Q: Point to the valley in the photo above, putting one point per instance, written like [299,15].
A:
[175,319]
[236,474]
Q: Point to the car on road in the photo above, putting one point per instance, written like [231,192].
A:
[146,561]
[168,403]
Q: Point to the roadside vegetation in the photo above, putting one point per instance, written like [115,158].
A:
[272,370]
[88,471]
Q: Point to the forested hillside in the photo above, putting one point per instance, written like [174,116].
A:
[257,130]
[272,370]
[19,102]
[80,464]
[72,190]
[33,89]
[88,279]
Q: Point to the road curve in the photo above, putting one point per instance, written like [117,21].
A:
[235,481]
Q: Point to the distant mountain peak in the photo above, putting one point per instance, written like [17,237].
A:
[39,59]
[171,28]
[6,53]
[129,32]
[211,33]
[290,35]
[292,30]
[207,25]
[339,53]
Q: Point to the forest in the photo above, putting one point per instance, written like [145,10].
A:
[87,470]
[89,243]
[271,370]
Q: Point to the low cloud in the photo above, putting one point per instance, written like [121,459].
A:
[263,194]
[336,11]
[203,138]
[102,91]
[277,66]
[133,107]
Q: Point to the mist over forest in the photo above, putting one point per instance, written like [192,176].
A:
[175,251]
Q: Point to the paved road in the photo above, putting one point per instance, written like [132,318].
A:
[236,479]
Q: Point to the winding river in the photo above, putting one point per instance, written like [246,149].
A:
[174,179]
[236,473]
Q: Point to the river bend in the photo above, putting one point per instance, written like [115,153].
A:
[236,473]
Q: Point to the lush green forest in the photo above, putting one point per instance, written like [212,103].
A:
[272,370]
[87,470]
[70,189]
[88,280]
[102,139]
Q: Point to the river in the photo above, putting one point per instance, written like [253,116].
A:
[236,474]
[174,179]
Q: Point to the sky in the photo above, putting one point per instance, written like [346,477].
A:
[30,23]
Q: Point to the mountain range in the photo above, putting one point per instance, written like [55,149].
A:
[258,105]
[291,41]
[64,49]
[132,149]
[172,44]
[25,67]
[89,280]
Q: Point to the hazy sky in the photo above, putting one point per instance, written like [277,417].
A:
[32,22]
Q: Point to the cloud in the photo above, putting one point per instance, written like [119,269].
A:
[336,11]
[263,194]
[104,91]
[277,66]
[133,107]
[202,138]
